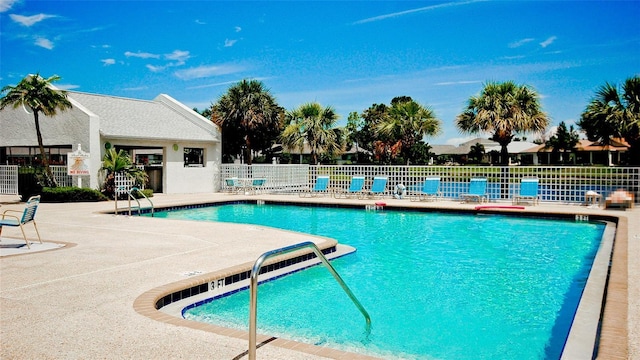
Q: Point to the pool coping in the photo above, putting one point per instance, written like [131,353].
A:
[583,342]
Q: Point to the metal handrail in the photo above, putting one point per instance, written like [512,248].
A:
[253,289]
[130,193]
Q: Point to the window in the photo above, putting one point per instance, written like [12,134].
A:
[193,157]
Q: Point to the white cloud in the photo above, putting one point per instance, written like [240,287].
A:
[142,55]
[238,28]
[29,20]
[108,62]
[229,43]
[200,22]
[548,42]
[45,43]
[517,44]
[225,83]
[208,71]
[412,11]
[154,68]
[136,88]
[6,5]
[459,140]
[178,55]
[67,86]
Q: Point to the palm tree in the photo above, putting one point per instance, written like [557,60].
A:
[249,117]
[565,140]
[406,123]
[115,162]
[476,152]
[612,113]
[503,109]
[313,125]
[40,96]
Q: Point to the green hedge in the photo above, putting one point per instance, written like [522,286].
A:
[71,194]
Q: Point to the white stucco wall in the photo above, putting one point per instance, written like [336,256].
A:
[180,179]
[82,126]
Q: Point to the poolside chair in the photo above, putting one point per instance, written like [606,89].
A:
[321,187]
[257,185]
[355,188]
[28,216]
[233,185]
[528,191]
[430,190]
[377,188]
[477,191]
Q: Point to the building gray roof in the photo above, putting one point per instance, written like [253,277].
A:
[514,147]
[162,118]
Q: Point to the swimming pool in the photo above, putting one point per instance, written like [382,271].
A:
[478,291]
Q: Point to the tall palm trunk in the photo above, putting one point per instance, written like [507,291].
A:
[50,180]
[504,154]
[247,152]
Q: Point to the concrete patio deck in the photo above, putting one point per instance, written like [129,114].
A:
[77,302]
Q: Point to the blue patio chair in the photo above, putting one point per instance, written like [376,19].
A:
[28,216]
[321,187]
[477,191]
[377,188]
[233,185]
[430,190]
[257,185]
[528,191]
[355,188]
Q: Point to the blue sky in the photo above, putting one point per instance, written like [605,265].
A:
[345,54]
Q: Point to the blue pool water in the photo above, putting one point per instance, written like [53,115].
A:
[437,285]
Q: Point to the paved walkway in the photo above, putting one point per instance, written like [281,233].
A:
[76,302]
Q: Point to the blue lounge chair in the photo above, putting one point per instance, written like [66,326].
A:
[233,185]
[377,188]
[430,190]
[477,191]
[528,191]
[355,188]
[257,185]
[321,187]
[28,216]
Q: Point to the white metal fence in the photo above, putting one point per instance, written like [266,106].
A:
[60,173]
[8,179]
[280,178]
[564,184]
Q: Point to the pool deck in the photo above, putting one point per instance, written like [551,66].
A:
[77,301]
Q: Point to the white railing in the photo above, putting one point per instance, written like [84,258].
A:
[280,178]
[122,183]
[8,179]
[60,173]
[564,184]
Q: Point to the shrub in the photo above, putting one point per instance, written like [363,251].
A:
[28,184]
[147,192]
[71,194]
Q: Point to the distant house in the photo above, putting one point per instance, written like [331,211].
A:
[302,156]
[459,154]
[179,149]
[585,153]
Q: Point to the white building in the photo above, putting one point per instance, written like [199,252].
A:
[179,149]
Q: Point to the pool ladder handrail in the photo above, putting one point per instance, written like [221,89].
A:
[253,289]
[130,196]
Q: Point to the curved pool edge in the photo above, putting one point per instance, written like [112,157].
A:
[146,303]
[611,314]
